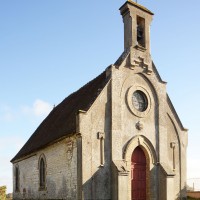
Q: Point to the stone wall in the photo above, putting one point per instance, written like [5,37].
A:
[61,173]
[160,130]
[96,152]
[129,125]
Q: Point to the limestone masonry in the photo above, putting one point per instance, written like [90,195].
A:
[118,137]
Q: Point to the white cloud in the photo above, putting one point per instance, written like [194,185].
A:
[10,145]
[39,108]
[6,113]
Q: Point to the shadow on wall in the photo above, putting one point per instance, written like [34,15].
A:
[67,191]
[98,186]
[184,193]
[64,190]
[51,187]
[163,186]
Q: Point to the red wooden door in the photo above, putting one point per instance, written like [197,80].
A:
[138,175]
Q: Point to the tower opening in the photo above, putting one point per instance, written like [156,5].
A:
[141,31]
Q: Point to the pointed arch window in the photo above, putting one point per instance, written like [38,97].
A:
[42,173]
[17,179]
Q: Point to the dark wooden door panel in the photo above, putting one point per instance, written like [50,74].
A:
[138,174]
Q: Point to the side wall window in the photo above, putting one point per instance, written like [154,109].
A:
[42,173]
[16,178]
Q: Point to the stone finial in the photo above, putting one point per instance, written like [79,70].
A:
[172,144]
[121,165]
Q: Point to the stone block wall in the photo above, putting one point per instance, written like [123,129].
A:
[61,173]
[96,152]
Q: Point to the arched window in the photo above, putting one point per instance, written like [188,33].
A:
[42,173]
[16,178]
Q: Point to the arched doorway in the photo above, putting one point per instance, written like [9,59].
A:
[138,175]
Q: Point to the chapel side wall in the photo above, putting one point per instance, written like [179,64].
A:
[174,161]
[184,166]
[96,178]
[178,135]
[28,178]
[61,172]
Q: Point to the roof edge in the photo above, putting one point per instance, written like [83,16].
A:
[25,156]
[157,73]
[98,96]
[175,113]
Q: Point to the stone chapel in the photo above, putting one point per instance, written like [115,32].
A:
[118,137]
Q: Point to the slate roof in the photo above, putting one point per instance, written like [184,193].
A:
[62,119]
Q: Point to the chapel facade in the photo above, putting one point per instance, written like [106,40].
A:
[118,137]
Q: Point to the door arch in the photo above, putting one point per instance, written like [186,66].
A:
[138,174]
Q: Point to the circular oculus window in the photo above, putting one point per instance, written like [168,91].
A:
[138,100]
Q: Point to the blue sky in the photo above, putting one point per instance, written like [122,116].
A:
[49,49]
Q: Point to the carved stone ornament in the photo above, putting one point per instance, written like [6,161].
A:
[121,165]
[140,140]
[100,135]
[139,125]
[69,150]
[172,144]
[140,59]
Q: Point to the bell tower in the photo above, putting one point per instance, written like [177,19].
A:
[137,20]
